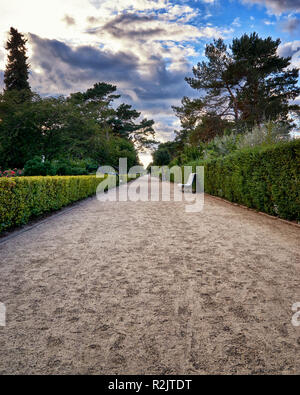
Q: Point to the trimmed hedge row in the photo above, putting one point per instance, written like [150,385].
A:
[26,197]
[266,179]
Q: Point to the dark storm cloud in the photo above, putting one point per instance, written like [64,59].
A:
[127,19]
[47,53]
[69,20]
[291,25]
[65,68]
[130,26]
[279,6]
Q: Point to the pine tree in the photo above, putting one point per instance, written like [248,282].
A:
[247,84]
[17,68]
[267,83]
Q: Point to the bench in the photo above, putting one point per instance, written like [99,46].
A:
[189,184]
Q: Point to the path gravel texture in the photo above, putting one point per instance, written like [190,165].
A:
[146,288]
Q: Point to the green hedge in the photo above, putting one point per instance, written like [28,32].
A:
[24,197]
[266,179]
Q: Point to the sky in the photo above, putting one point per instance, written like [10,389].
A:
[145,47]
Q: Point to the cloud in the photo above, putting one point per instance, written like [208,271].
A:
[268,23]
[236,22]
[291,49]
[62,64]
[141,27]
[92,20]
[60,68]
[291,25]
[69,20]
[278,6]
[152,36]
[138,5]
[132,26]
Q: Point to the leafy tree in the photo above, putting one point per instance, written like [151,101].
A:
[20,133]
[210,127]
[101,92]
[78,127]
[161,156]
[93,107]
[95,104]
[122,148]
[181,138]
[123,123]
[51,120]
[165,152]
[17,68]
[171,147]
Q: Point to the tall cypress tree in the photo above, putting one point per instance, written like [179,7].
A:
[17,68]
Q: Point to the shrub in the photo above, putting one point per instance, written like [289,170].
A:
[91,167]
[62,167]
[26,197]
[11,173]
[263,178]
[36,167]
[265,134]
[221,146]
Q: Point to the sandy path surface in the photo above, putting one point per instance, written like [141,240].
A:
[146,288]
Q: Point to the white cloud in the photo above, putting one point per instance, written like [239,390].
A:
[292,49]
[236,22]
[137,5]
[182,12]
[268,23]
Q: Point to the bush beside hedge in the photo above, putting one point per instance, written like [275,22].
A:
[266,179]
[63,167]
[26,197]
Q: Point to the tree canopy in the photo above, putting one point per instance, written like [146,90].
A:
[239,87]
[82,125]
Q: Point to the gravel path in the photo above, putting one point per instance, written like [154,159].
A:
[146,288]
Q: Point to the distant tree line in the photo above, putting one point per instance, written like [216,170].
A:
[81,126]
